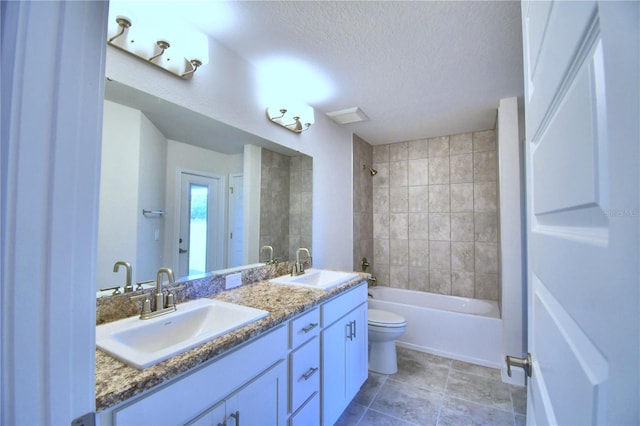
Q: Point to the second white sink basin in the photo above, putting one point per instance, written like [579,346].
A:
[317,278]
[143,343]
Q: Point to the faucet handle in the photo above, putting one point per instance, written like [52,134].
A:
[146,306]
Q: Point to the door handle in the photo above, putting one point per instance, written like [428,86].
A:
[525,363]
[182,250]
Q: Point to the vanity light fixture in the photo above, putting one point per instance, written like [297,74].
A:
[178,65]
[296,119]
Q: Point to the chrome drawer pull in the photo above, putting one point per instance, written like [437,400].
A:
[310,327]
[309,373]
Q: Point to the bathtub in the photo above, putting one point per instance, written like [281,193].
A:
[460,328]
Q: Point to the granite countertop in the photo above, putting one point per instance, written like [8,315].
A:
[117,382]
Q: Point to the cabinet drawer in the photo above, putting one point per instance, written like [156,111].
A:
[304,328]
[308,414]
[304,364]
[343,304]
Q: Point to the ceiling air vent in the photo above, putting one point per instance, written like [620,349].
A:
[349,115]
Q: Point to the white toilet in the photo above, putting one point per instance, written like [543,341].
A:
[384,328]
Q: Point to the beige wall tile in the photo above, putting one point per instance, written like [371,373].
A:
[418,279]
[380,225]
[462,227]
[439,147]
[485,197]
[439,198]
[381,200]
[462,197]
[419,226]
[461,168]
[418,172]
[419,253]
[381,153]
[418,198]
[399,226]
[398,199]
[484,141]
[440,227]
[486,258]
[438,170]
[398,173]
[487,286]
[486,227]
[439,255]
[419,149]
[463,284]
[398,151]
[382,178]
[399,276]
[462,257]
[485,167]
[460,144]
[399,252]
[440,281]
[381,251]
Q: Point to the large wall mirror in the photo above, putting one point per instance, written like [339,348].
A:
[182,190]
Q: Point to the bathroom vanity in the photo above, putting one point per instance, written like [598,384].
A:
[301,365]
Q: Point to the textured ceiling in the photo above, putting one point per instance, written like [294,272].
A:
[416,69]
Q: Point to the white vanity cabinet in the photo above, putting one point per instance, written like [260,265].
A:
[302,373]
[256,404]
[251,380]
[344,342]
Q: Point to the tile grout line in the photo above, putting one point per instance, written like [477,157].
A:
[373,398]
[444,392]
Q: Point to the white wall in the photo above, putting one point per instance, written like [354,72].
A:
[512,232]
[151,196]
[118,214]
[226,89]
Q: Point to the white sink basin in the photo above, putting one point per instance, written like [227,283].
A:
[143,343]
[317,278]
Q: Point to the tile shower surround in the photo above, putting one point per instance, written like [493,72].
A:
[435,215]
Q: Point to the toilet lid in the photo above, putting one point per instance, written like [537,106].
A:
[385,318]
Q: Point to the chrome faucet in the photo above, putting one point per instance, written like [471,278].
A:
[128,288]
[298,267]
[270,259]
[163,305]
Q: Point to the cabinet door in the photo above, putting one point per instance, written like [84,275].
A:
[334,369]
[357,359]
[212,417]
[261,402]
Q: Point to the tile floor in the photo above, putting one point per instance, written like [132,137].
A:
[431,390]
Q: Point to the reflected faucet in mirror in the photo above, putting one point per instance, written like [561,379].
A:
[269,260]
[128,288]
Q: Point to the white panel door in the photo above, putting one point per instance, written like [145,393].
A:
[581,105]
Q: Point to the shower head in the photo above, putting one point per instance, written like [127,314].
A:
[371,170]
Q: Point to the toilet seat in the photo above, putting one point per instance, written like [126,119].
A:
[380,318]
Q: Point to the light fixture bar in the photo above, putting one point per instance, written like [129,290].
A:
[296,120]
[190,65]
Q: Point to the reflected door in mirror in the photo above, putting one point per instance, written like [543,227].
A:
[201,241]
